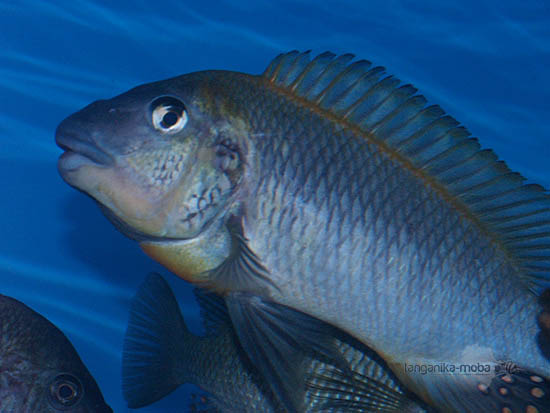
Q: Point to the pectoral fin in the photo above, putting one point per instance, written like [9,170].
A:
[278,340]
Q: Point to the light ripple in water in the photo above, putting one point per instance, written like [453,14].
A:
[36,144]
[65,278]
[82,77]
[68,310]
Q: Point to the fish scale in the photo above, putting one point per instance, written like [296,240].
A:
[375,201]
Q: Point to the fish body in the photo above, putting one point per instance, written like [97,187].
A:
[326,188]
[216,363]
[40,371]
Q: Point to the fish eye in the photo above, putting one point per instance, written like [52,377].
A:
[65,391]
[168,114]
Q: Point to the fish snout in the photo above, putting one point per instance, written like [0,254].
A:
[76,138]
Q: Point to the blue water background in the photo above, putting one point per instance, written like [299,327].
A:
[485,62]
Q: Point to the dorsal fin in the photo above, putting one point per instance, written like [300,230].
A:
[432,144]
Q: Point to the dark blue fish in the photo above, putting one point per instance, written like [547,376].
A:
[40,371]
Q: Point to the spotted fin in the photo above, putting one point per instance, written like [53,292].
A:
[505,388]
[338,391]
[433,145]
[278,340]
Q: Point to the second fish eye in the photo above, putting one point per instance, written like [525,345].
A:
[168,114]
[65,391]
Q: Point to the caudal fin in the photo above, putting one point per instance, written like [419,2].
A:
[153,344]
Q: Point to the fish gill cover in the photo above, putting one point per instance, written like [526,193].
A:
[485,63]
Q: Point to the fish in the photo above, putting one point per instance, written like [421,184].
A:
[325,191]
[161,353]
[41,371]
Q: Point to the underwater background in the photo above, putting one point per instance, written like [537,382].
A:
[485,62]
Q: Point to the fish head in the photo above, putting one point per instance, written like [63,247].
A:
[162,159]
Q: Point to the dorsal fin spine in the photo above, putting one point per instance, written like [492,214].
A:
[484,200]
[371,77]
[284,70]
[332,84]
[387,105]
[295,70]
[421,150]
[390,123]
[311,66]
[473,166]
[509,206]
[522,238]
[372,99]
[482,185]
[356,74]
[421,119]
[440,164]
[300,77]
[278,68]
[347,79]
[439,127]
[325,77]
[269,72]
[519,216]
[522,227]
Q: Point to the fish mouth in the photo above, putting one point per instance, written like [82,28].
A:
[79,152]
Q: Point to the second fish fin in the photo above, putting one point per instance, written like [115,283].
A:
[153,343]
[277,340]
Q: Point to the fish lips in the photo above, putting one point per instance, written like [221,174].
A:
[79,152]
[79,149]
